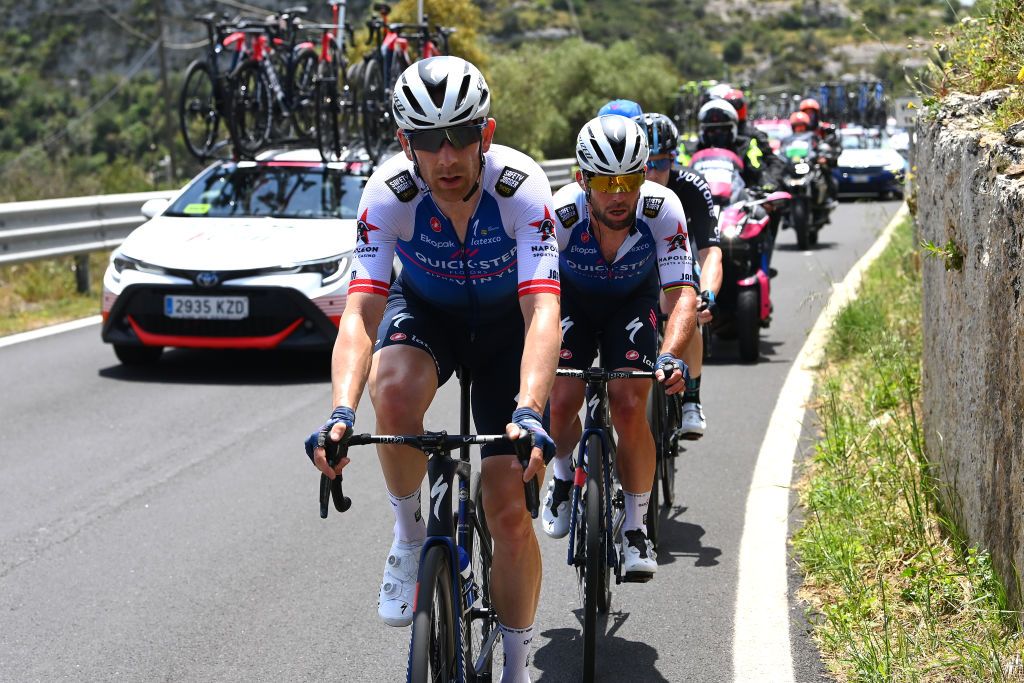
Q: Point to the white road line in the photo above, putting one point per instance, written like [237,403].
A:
[761,648]
[47,331]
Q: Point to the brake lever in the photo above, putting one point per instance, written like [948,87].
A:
[531,489]
[331,488]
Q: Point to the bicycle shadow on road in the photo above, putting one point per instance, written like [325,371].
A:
[227,368]
[727,351]
[618,659]
[678,539]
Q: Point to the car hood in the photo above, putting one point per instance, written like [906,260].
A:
[866,158]
[238,243]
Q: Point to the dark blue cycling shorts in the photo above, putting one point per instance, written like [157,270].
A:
[491,351]
[626,327]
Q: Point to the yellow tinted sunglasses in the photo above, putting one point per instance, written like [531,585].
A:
[616,184]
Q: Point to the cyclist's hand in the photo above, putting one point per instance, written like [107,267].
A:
[526,421]
[672,372]
[337,426]
[707,307]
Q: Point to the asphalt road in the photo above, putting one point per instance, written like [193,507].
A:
[162,525]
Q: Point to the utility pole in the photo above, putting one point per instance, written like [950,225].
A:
[165,88]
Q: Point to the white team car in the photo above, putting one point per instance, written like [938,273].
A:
[249,255]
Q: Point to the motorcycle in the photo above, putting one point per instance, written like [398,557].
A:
[744,300]
[805,180]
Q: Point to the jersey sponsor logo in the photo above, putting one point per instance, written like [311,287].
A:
[678,240]
[364,227]
[585,237]
[435,224]
[582,250]
[397,336]
[632,354]
[545,226]
[565,354]
[652,206]
[509,181]
[437,244]
[568,214]
[403,186]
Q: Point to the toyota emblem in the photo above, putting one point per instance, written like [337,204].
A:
[207,279]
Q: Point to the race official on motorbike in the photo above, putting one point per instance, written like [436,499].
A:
[800,122]
[717,124]
[702,222]
[758,148]
[830,147]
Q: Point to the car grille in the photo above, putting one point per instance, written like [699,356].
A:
[270,311]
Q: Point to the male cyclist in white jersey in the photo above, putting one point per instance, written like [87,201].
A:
[622,241]
[471,223]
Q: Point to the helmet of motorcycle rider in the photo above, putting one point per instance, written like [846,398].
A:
[611,145]
[716,122]
[798,118]
[440,92]
[738,101]
[662,134]
[811,107]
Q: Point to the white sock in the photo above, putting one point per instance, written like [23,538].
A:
[636,511]
[516,644]
[409,526]
[563,467]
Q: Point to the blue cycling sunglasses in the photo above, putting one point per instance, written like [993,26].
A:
[661,164]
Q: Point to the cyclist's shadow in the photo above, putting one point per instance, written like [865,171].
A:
[620,660]
[677,539]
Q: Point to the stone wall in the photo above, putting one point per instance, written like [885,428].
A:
[969,195]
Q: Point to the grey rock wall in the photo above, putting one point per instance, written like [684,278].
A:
[970,189]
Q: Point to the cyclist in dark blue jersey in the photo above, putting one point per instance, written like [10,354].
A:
[472,224]
[622,241]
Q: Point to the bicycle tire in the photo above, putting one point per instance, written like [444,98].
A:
[199,110]
[432,655]
[302,86]
[672,415]
[374,107]
[656,421]
[329,125]
[477,628]
[252,107]
[594,561]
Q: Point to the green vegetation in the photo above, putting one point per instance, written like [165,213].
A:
[896,594]
[44,293]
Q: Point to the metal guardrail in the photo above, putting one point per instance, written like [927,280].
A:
[31,231]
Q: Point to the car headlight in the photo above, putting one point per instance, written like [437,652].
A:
[330,269]
[122,263]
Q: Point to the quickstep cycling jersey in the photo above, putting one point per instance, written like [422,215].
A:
[510,244]
[658,239]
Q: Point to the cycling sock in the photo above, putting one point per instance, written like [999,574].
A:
[515,642]
[409,526]
[692,393]
[636,511]
[563,467]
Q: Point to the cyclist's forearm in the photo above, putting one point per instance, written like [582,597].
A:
[540,351]
[353,350]
[711,269]
[682,322]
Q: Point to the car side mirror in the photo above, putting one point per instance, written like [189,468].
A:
[153,207]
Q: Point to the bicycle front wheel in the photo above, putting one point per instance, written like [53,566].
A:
[672,417]
[655,410]
[329,123]
[480,619]
[198,111]
[252,106]
[304,91]
[594,571]
[432,656]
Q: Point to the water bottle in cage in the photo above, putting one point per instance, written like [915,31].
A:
[468,585]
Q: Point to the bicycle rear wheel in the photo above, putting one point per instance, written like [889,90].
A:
[252,107]
[481,620]
[330,122]
[303,82]
[198,110]
[432,656]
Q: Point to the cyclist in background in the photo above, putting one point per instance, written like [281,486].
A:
[702,223]
[627,108]
[618,236]
[472,225]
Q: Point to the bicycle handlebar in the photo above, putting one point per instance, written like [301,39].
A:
[602,375]
[436,442]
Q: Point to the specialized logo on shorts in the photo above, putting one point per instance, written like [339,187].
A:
[678,240]
[633,327]
[364,228]
[568,214]
[565,354]
[510,181]
[632,355]
[403,186]
[652,206]
[545,226]
[397,336]
[435,224]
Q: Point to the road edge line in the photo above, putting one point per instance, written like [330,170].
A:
[762,650]
[31,335]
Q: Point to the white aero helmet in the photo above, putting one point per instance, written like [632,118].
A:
[439,92]
[612,145]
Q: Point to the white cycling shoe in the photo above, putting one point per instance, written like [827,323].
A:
[693,423]
[555,516]
[639,561]
[398,587]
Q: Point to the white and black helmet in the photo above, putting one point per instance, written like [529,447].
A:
[439,92]
[612,145]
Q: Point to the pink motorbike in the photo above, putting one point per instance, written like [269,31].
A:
[744,223]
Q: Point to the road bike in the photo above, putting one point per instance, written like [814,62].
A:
[598,506]
[336,95]
[455,626]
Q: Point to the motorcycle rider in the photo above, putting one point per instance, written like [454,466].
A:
[758,147]
[830,148]
[717,125]
[802,124]
[695,196]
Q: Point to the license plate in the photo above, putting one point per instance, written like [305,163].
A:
[860,178]
[206,307]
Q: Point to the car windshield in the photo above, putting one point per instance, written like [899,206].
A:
[269,189]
